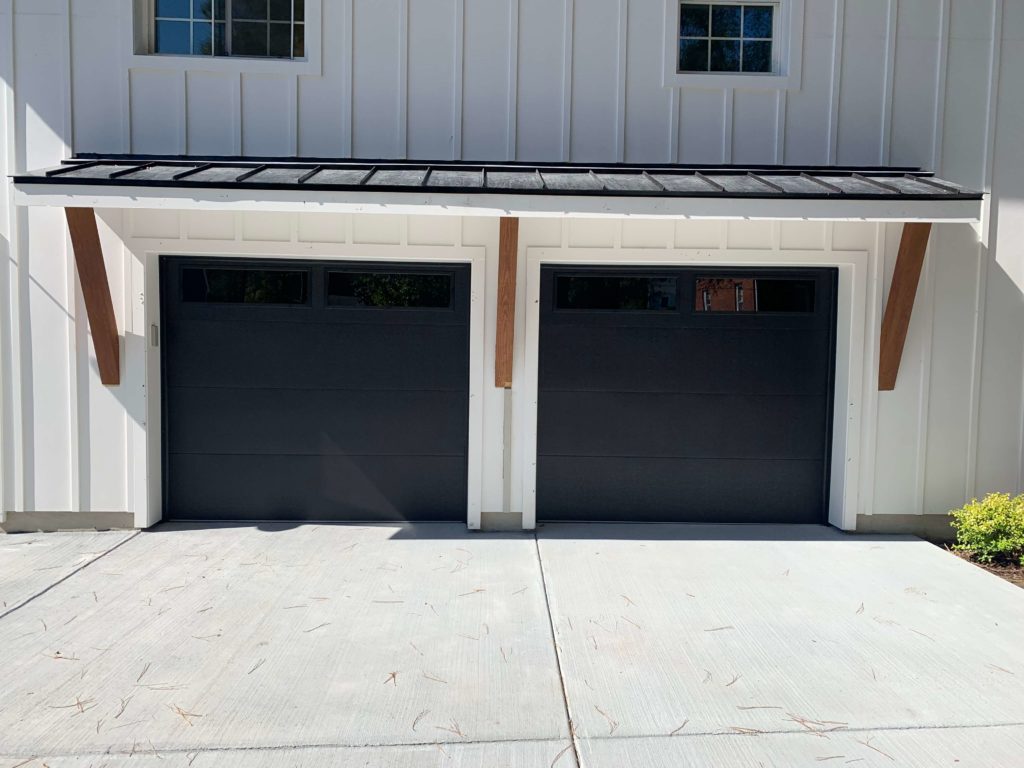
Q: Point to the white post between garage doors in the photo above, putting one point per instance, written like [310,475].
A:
[851,353]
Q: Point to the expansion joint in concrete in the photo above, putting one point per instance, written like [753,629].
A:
[558,655]
[60,581]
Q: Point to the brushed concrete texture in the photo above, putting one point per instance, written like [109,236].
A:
[189,638]
[994,747]
[509,754]
[30,563]
[672,629]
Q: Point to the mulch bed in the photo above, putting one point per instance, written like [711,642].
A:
[1012,573]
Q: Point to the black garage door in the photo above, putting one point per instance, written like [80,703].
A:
[314,391]
[685,394]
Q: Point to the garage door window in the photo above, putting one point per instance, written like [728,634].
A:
[616,292]
[736,294]
[388,291]
[245,286]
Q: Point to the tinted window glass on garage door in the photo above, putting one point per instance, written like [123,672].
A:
[314,391]
[685,394]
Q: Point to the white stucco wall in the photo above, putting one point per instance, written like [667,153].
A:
[918,82]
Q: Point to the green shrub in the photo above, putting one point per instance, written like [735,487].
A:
[991,530]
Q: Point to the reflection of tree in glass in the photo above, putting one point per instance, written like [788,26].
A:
[204,9]
[249,39]
[622,293]
[389,290]
[240,286]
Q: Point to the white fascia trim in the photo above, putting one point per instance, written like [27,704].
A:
[441,204]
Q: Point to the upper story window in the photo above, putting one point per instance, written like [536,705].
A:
[751,44]
[255,28]
[727,37]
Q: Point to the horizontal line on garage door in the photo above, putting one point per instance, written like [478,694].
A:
[683,392]
[315,389]
[317,455]
[659,457]
[380,322]
[557,320]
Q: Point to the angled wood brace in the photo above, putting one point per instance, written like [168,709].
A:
[92,274]
[900,304]
[504,345]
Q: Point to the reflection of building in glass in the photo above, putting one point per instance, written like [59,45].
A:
[726,294]
[739,294]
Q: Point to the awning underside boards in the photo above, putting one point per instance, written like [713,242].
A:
[439,183]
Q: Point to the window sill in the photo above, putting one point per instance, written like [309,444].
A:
[226,64]
[746,82]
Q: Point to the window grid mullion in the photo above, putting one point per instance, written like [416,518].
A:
[741,38]
[710,30]
[743,19]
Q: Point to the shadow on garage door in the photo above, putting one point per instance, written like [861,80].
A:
[685,395]
[314,390]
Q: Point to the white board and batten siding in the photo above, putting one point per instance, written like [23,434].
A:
[911,82]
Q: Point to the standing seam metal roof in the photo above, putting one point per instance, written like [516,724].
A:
[611,180]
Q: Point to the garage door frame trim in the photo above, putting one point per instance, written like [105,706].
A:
[851,350]
[148,452]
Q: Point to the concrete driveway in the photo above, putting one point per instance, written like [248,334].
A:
[430,646]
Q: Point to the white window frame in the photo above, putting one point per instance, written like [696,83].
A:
[141,46]
[787,51]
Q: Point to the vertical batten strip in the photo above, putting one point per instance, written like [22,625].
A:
[941,79]
[567,54]
[780,127]
[622,79]
[995,31]
[11,348]
[511,141]
[892,22]
[869,411]
[69,112]
[924,390]
[673,125]
[293,114]
[127,33]
[348,61]
[183,115]
[977,354]
[78,380]
[458,74]
[832,151]
[728,107]
[236,116]
[402,148]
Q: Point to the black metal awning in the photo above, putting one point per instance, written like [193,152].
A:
[499,189]
[462,178]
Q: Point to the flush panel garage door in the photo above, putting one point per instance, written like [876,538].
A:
[314,391]
[685,394]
